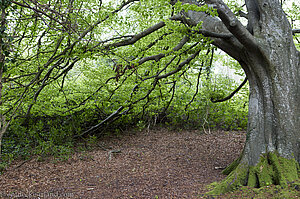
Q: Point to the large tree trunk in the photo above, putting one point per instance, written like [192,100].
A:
[272,150]
[274,104]
[274,114]
[274,77]
[267,54]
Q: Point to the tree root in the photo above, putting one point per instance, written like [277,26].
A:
[271,169]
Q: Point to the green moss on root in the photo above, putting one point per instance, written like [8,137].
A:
[285,170]
[234,180]
[232,166]
[271,169]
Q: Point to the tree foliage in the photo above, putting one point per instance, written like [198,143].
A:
[92,63]
[102,61]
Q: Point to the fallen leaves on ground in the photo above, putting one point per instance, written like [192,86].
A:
[149,164]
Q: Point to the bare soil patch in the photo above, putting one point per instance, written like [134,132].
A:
[155,164]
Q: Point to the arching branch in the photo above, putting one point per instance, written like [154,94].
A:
[109,118]
[207,33]
[296,31]
[214,25]
[232,94]
[180,66]
[157,57]
[234,25]
[213,34]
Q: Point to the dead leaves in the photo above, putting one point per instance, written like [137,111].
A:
[160,163]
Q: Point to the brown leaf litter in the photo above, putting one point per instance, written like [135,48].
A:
[149,164]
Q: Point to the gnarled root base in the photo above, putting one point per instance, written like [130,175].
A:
[271,169]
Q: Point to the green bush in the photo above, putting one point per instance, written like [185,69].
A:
[58,117]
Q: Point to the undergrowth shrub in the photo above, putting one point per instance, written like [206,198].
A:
[54,134]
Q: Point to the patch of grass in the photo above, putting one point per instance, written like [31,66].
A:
[272,191]
[270,170]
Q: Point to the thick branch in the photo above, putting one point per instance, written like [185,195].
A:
[214,25]
[109,118]
[232,94]
[180,66]
[136,37]
[234,25]
[207,33]
[296,31]
[183,41]
[253,16]
[190,22]
[242,14]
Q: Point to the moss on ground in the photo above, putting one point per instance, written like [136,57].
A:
[271,170]
[272,191]
[232,166]
[233,181]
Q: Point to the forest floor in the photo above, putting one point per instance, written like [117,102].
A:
[149,164]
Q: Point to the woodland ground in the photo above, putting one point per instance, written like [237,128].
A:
[149,164]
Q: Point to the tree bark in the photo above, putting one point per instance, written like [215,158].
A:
[266,52]
[274,78]
[3,123]
[274,110]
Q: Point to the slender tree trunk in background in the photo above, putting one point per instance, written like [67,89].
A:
[2,117]
[3,123]
[267,54]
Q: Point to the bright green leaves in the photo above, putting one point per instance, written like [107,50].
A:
[65,58]
[152,9]
[179,6]
[292,10]
[154,70]
[236,6]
